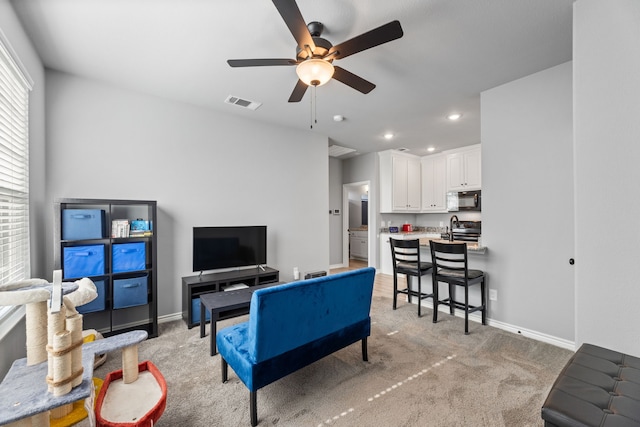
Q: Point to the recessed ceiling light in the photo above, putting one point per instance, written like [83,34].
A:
[388,136]
[338,118]
[430,149]
[454,116]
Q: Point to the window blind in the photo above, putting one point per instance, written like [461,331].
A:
[14,169]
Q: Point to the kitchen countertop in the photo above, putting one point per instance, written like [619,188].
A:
[472,247]
[402,234]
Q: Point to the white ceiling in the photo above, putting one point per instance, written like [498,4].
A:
[177,49]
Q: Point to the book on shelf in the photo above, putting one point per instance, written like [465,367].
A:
[120,228]
[140,233]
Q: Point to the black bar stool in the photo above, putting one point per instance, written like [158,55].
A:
[406,260]
[450,266]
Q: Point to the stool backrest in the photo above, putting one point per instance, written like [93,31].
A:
[405,253]
[451,257]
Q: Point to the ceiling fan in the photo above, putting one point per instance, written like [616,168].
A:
[315,55]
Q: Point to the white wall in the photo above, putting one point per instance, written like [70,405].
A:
[335,202]
[527,181]
[13,344]
[607,153]
[203,168]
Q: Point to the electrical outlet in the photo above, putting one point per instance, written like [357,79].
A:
[493,294]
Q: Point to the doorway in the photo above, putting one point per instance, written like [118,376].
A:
[353,215]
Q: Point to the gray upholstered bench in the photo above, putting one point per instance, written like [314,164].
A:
[597,387]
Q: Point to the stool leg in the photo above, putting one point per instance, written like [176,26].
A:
[452,298]
[435,300]
[484,302]
[419,294]
[406,276]
[395,289]
[466,310]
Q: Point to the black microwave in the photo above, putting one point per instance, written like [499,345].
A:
[464,201]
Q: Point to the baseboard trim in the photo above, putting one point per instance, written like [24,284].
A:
[169,317]
[538,336]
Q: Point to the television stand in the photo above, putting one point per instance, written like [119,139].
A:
[194,286]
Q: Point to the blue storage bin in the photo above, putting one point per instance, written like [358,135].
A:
[128,257]
[80,224]
[195,311]
[83,261]
[130,292]
[97,304]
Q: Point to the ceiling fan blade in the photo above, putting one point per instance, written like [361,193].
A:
[293,18]
[364,41]
[350,79]
[260,62]
[298,92]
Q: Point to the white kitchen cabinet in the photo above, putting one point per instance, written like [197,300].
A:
[400,182]
[434,183]
[359,244]
[464,169]
[386,262]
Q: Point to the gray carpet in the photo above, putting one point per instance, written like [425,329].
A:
[418,374]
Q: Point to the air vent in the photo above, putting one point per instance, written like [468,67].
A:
[337,151]
[402,149]
[244,103]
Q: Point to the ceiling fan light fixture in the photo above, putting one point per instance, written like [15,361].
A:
[314,71]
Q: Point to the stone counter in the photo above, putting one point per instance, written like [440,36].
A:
[472,247]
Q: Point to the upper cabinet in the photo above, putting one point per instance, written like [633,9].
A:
[400,182]
[434,186]
[464,170]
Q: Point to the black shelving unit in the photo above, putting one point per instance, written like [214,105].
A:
[113,320]
[194,286]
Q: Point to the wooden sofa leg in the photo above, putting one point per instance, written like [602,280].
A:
[365,356]
[224,366]
[253,407]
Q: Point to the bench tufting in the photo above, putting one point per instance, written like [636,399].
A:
[597,387]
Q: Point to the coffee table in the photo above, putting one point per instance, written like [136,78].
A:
[225,305]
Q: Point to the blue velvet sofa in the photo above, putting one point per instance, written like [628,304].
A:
[293,325]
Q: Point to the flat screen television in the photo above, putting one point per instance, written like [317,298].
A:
[228,247]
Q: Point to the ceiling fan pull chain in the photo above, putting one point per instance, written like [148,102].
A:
[311,107]
[315,106]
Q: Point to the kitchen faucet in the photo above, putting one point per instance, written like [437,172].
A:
[451,226]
